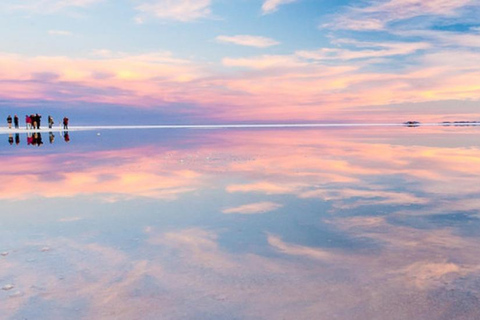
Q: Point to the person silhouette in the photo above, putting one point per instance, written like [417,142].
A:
[66,136]
[34,138]
[65,123]
[51,137]
[10,139]
[50,122]
[39,139]
[28,122]
[39,118]
[29,138]
[15,121]
[34,121]
[17,139]
[9,121]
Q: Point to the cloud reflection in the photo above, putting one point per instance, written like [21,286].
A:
[358,235]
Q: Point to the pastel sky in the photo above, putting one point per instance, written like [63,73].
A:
[242,60]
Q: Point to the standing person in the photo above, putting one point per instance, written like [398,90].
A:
[9,121]
[39,117]
[15,121]
[28,122]
[34,121]
[50,122]
[65,123]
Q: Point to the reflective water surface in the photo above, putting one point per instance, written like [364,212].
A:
[351,223]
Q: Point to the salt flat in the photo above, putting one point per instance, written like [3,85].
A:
[355,223]
[4,130]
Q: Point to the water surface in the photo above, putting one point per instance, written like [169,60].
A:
[322,223]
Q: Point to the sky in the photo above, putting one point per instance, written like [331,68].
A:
[217,61]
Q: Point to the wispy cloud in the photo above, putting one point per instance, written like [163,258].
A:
[253,208]
[247,40]
[179,10]
[46,6]
[264,62]
[263,187]
[377,15]
[445,38]
[59,33]
[375,50]
[270,6]
[299,250]
[401,9]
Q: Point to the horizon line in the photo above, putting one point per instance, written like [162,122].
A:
[4,130]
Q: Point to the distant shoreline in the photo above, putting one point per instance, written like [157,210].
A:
[6,130]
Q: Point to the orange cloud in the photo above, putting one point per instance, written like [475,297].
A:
[304,85]
[134,174]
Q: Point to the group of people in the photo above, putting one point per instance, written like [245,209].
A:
[15,121]
[33,122]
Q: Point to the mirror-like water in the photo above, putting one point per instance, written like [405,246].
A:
[347,223]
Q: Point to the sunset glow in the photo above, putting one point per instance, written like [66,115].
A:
[240,159]
[343,60]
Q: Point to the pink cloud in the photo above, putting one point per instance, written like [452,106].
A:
[110,183]
[270,6]
[315,85]
[180,10]
[253,208]
[264,62]
[375,15]
[298,250]
[248,40]
[263,187]
[384,49]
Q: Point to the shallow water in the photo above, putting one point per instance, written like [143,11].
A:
[331,223]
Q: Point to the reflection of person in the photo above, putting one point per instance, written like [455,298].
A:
[9,121]
[51,137]
[10,139]
[17,139]
[15,121]
[66,136]
[37,139]
[65,123]
[50,122]
[29,138]
[28,122]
